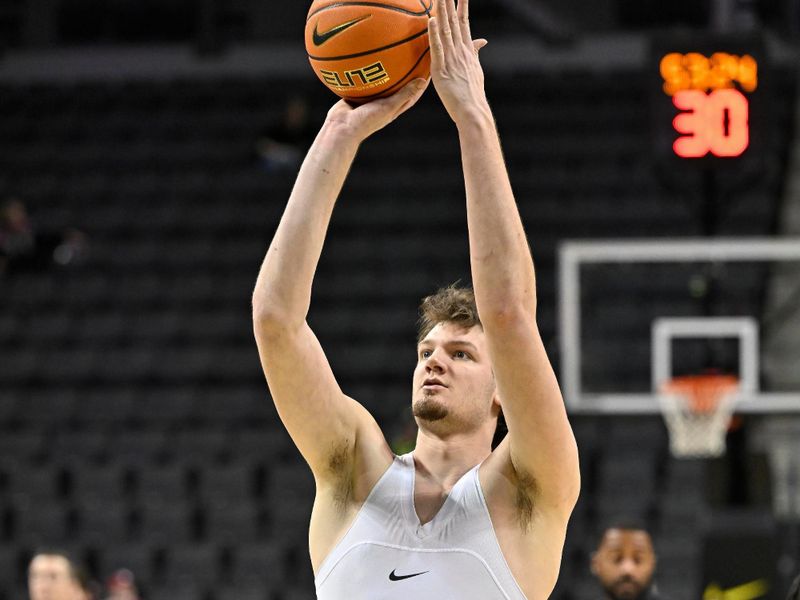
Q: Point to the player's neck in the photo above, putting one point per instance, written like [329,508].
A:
[446,460]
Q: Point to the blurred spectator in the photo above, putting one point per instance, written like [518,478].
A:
[624,563]
[794,590]
[282,145]
[121,586]
[55,575]
[23,247]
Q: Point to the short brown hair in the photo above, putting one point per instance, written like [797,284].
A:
[451,304]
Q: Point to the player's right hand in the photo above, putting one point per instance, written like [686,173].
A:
[364,120]
[455,67]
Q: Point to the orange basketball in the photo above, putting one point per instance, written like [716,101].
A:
[367,50]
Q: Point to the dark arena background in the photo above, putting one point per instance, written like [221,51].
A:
[147,150]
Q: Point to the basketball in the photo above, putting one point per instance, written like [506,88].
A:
[367,50]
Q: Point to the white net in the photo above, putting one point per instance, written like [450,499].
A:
[697,417]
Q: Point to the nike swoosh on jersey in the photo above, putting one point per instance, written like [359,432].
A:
[394,577]
[320,38]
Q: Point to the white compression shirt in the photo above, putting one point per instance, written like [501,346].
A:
[388,555]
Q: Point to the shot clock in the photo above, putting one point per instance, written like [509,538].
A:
[708,98]
[710,92]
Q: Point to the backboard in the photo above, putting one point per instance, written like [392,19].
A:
[577,258]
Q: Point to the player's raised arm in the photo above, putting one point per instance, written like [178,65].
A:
[540,442]
[318,416]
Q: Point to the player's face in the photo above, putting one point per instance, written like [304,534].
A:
[624,563]
[50,578]
[453,378]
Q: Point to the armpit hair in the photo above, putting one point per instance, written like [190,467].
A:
[527,489]
[340,465]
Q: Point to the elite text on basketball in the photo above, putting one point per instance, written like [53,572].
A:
[369,76]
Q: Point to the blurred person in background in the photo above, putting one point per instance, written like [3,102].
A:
[23,247]
[625,562]
[121,586]
[55,575]
[281,145]
[794,590]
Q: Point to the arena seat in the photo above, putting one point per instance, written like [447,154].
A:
[164,523]
[162,406]
[10,561]
[238,592]
[96,484]
[139,557]
[138,447]
[200,447]
[229,482]
[232,522]
[40,521]
[193,564]
[165,483]
[79,447]
[100,406]
[21,447]
[27,485]
[98,522]
[235,404]
[267,445]
[179,590]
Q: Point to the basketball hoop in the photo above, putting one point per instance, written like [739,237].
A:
[697,410]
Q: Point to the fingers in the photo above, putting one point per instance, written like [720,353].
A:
[435,41]
[463,20]
[445,24]
[453,29]
[410,94]
[449,29]
[393,106]
[362,119]
[479,43]
[413,90]
[452,21]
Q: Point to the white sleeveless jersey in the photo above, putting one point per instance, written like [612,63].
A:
[388,555]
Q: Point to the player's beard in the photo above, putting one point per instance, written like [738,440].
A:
[429,409]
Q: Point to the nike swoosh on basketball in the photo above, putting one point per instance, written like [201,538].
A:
[320,38]
[394,577]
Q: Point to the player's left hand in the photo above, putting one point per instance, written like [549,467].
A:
[455,69]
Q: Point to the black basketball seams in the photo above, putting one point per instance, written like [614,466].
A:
[391,87]
[426,10]
[371,51]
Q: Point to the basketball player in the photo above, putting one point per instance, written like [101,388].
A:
[624,563]
[54,575]
[452,519]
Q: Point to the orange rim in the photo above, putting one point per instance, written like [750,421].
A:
[703,392]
